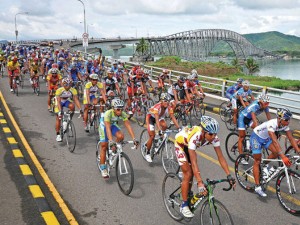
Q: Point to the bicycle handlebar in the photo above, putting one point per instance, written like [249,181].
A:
[208,181]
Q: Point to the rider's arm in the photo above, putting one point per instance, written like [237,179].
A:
[58,103]
[118,88]
[102,91]
[242,101]
[175,95]
[187,95]
[276,144]
[156,115]
[76,100]
[222,160]
[268,115]
[255,123]
[87,91]
[174,120]
[129,128]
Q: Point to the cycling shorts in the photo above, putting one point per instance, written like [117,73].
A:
[102,130]
[152,121]
[243,121]
[182,153]
[257,143]
[130,92]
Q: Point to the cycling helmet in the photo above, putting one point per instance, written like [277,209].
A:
[284,113]
[115,63]
[139,72]
[209,124]
[120,67]
[194,71]
[15,59]
[66,81]
[263,98]
[246,83]
[117,103]
[36,59]
[165,97]
[93,76]
[240,80]
[54,71]
[181,79]
[74,65]
[54,65]
[165,71]
[51,59]
[61,58]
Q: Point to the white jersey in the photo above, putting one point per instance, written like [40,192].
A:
[271,125]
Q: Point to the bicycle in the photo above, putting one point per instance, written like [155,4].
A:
[198,107]
[36,85]
[78,86]
[67,129]
[138,109]
[288,193]
[93,118]
[161,145]
[15,83]
[2,68]
[122,163]
[52,100]
[182,114]
[212,210]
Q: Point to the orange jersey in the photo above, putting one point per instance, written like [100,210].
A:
[157,109]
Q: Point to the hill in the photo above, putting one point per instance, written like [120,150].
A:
[273,41]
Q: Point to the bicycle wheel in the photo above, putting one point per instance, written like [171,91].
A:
[143,139]
[171,193]
[198,109]
[244,173]
[292,152]
[168,158]
[231,146]
[223,110]
[16,91]
[96,123]
[140,115]
[229,120]
[149,103]
[71,136]
[37,89]
[288,191]
[124,172]
[214,212]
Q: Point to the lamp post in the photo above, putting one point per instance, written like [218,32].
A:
[85,31]
[16,31]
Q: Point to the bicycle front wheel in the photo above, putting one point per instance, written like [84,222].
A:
[288,191]
[244,172]
[143,139]
[124,172]
[223,110]
[231,146]
[71,136]
[214,212]
[140,115]
[171,193]
[168,158]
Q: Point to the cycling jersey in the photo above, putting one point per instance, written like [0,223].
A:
[180,91]
[134,80]
[114,69]
[109,116]
[253,107]
[93,91]
[192,138]
[34,67]
[157,109]
[271,125]
[110,83]
[65,95]
[242,92]
[12,66]
[231,90]
[53,80]
[2,58]
[73,73]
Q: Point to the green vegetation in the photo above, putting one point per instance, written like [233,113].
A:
[252,66]
[142,47]
[224,71]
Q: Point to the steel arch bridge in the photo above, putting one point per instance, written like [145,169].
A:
[195,45]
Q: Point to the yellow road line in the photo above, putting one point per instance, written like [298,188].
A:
[49,218]
[25,169]
[3,121]
[36,191]
[40,168]
[1,114]
[12,140]
[6,130]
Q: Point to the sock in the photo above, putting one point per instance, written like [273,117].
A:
[57,133]
[102,166]
[184,203]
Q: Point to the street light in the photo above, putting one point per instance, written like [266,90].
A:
[16,31]
[84,21]
[87,27]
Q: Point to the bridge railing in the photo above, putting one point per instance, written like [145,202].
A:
[217,88]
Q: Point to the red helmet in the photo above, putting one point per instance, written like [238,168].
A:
[36,59]
[139,72]
[54,65]
[33,55]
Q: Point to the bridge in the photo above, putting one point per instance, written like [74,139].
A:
[193,45]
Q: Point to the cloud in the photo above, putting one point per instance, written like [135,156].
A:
[267,4]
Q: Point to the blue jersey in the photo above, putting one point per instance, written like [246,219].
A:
[114,69]
[231,90]
[242,93]
[253,107]
[73,73]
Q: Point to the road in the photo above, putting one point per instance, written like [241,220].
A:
[94,200]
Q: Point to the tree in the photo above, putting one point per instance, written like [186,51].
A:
[252,66]
[236,63]
[142,47]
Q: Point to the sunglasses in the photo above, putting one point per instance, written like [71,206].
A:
[118,109]
[287,120]
[67,85]
[94,79]
[211,134]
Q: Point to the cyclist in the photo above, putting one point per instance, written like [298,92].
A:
[161,80]
[194,77]
[241,97]
[234,88]
[111,84]
[109,128]
[114,67]
[264,136]
[186,142]
[64,98]
[247,117]
[179,91]
[156,115]
[92,89]
[53,79]
[13,69]
[34,69]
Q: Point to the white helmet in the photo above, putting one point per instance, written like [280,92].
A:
[94,76]
[117,103]
[263,98]
[246,83]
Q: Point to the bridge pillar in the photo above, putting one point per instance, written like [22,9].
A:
[115,49]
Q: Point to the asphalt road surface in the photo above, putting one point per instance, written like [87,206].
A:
[94,200]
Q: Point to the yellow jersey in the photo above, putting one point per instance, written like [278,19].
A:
[13,66]
[193,138]
[65,95]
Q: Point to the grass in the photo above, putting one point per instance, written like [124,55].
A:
[224,71]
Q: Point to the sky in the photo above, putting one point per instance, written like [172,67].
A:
[55,19]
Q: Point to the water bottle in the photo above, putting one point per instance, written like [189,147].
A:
[195,198]
[247,144]
[92,116]
[65,125]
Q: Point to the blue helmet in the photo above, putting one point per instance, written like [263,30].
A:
[284,113]
[209,124]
